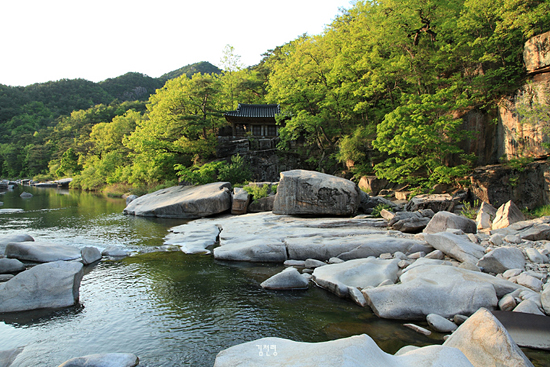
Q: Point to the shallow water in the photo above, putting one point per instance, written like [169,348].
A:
[168,308]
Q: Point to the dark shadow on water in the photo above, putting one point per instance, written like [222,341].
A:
[41,316]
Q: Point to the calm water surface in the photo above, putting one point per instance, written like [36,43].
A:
[168,308]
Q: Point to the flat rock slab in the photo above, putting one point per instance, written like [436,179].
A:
[313,193]
[443,290]
[4,240]
[444,220]
[103,360]
[358,273]
[356,351]
[277,238]
[485,341]
[50,285]
[183,202]
[7,357]
[41,251]
[9,266]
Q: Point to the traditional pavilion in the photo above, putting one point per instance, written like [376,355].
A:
[257,119]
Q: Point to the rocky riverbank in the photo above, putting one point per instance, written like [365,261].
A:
[424,265]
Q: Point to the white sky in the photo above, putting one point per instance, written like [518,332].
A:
[43,40]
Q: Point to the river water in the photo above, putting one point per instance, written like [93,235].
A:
[168,308]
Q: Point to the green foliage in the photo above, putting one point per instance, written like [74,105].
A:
[131,86]
[260,191]
[199,174]
[470,210]
[235,172]
[203,67]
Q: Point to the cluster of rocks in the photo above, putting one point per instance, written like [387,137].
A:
[424,263]
[38,274]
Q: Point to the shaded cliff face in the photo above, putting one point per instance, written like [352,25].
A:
[524,119]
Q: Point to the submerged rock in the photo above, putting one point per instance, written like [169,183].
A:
[357,351]
[103,360]
[49,285]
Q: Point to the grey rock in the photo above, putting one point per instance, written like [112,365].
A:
[288,279]
[359,273]
[313,263]
[356,296]
[485,342]
[528,306]
[440,324]
[26,195]
[49,285]
[418,329]
[435,202]
[41,251]
[7,357]
[458,247]
[485,216]
[114,251]
[459,319]
[444,290]
[469,266]
[513,238]
[335,260]
[502,259]
[512,273]
[296,263]
[90,255]
[496,239]
[183,202]
[506,215]
[357,351]
[444,220]
[535,256]
[9,266]
[545,300]
[435,254]
[4,240]
[529,282]
[259,250]
[241,199]
[262,204]
[103,360]
[6,277]
[309,192]
[507,303]
[423,261]
[131,198]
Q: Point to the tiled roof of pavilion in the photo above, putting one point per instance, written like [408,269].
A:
[255,110]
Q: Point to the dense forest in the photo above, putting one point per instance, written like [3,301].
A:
[381,87]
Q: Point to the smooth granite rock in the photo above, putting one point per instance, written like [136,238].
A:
[4,240]
[355,351]
[444,290]
[444,220]
[506,215]
[9,266]
[528,306]
[288,279]
[90,255]
[240,201]
[309,192]
[545,300]
[440,324]
[103,360]
[183,201]
[41,251]
[359,273]
[501,259]
[49,285]
[435,202]
[458,247]
[485,342]
[7,357]
[485,216]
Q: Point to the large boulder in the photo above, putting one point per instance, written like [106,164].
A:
[183,202]
[41,252]
[357,351]
[240,201]
[485,342]
[90,255]
[444,220]
[313,193]
[358,273]
[501,259]
[506,215]
[456,246]
[288,279]
[50,285]
[408,222]
[444,290]
[103,360]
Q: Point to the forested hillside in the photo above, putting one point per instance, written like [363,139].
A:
[382,87]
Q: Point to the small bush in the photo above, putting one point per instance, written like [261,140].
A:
[469,210]
[377,209]
[259,192]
